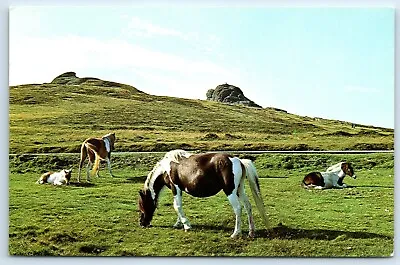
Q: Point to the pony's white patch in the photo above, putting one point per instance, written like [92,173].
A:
[107,144]
[151,178]
[331,177]
[237,171]
[164,166]
[58,178]
[335,167]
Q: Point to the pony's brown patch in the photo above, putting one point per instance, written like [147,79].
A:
[147,206]
[347,169]
[204,175]
[43,178]
[68,175]
[314,178]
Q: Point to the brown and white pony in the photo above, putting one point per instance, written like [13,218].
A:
[331,178]
[202,175]
[96,149]
[56,178]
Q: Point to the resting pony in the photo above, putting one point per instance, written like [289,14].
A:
[96,149]
[202,175]
[57,178]
[331,178]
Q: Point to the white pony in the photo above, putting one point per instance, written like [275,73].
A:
[331,178]
[57,178]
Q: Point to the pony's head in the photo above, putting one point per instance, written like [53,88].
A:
[147,206]
[154,183]
[348,170]
[67,175]
[148,197]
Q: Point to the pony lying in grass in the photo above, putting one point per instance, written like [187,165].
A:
[57,178]
[202,175]
[331,178]
[96,149]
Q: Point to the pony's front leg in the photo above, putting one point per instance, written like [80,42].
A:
[79,174]
[237,208]
[179,210]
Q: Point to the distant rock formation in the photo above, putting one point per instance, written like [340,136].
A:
[231,95]
[70,78]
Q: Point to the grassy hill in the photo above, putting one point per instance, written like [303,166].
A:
[50,117]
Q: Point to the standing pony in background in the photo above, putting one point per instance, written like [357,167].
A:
[96,149]
[202,175]
[331,178]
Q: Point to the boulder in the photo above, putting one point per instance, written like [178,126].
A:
[230,94]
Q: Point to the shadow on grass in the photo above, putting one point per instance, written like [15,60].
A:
[81,184]
[139,179]
[288,233]
[373,186]
[285,232]
[273,177]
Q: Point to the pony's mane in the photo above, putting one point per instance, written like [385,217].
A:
[108,136]
[334,167]
[174,155]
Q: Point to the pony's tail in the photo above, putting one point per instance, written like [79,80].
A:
[96,164]
[252,177]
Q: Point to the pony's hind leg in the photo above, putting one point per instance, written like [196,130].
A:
[109,166]
[178,223]
[88,166]
[247,206]
[91,159]
[237,208]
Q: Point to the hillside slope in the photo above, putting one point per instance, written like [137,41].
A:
[55,117]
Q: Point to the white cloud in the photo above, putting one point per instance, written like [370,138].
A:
[138,27]
[38,60]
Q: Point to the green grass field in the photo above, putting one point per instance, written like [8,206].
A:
[101,218]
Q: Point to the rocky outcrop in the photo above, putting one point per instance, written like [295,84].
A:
[70,78]
[231,95]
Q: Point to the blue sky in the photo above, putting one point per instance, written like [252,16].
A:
[335,63]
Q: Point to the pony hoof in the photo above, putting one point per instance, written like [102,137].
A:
[177,226]
[235,236]
[252,235]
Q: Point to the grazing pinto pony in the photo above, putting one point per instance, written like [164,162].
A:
[331,178]
[57,178]
[202,175]
[96,149]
